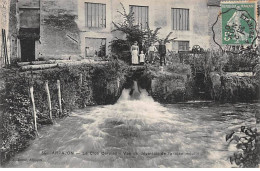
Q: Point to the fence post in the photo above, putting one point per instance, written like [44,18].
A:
[34,110]
[80,79]
[48,98]
[59,95]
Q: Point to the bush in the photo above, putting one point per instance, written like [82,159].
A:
[247,155]
[99,86]
[234,88]
[172,85]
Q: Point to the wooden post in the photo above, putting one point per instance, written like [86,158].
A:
[34,110]
[5,48]
[118,82]
[59,95]
[80,79]
[48,98]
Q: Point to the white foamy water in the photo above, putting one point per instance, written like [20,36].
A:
[137,132]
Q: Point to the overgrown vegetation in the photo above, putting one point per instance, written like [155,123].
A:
[98,85]
[215,65]
[133,32]
[247,155]
[170,85]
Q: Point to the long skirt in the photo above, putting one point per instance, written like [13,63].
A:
[134,57]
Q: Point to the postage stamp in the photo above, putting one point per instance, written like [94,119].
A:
[239,23]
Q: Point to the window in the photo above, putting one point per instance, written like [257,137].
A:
[180,19]
[95,47]
[140,15]
[180,46]
[95,15]
[183,45]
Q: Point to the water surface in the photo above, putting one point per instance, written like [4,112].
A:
[138,132]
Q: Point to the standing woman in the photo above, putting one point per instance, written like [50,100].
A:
[135,52]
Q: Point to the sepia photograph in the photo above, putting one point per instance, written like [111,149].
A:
[129,84]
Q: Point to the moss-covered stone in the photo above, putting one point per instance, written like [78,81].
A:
[170,84]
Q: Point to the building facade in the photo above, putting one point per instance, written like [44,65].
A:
[79,29]
[178,16]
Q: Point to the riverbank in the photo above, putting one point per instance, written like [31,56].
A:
[81,86]
[178,83]
[84,85]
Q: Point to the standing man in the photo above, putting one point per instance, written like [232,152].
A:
[152,49]
[162,52]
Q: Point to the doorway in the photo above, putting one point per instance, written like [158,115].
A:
[27,50]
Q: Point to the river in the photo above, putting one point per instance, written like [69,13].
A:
[138,132]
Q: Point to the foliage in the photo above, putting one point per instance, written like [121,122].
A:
[234,88]
[17,118]
[229,88]
[221,86]
[172,84]
[241,62]
[104,80]
[17,115]
[245,139]
[133,33]
[217,61]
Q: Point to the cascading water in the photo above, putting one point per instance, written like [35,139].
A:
[137,132]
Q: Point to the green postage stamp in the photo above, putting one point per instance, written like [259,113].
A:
[239,23]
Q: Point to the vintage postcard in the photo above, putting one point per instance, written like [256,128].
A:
[129,84]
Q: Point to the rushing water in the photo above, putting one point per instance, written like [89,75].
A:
[138,132]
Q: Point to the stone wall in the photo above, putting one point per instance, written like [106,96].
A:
[59,31]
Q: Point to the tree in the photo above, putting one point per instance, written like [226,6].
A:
[133,33]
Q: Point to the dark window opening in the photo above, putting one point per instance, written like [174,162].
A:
[27,50]
[183,45]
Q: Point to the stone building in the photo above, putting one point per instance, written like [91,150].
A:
[78,29]
[187,27]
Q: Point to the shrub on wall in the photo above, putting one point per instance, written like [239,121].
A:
[227,88]
[236,88]
[173,84]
